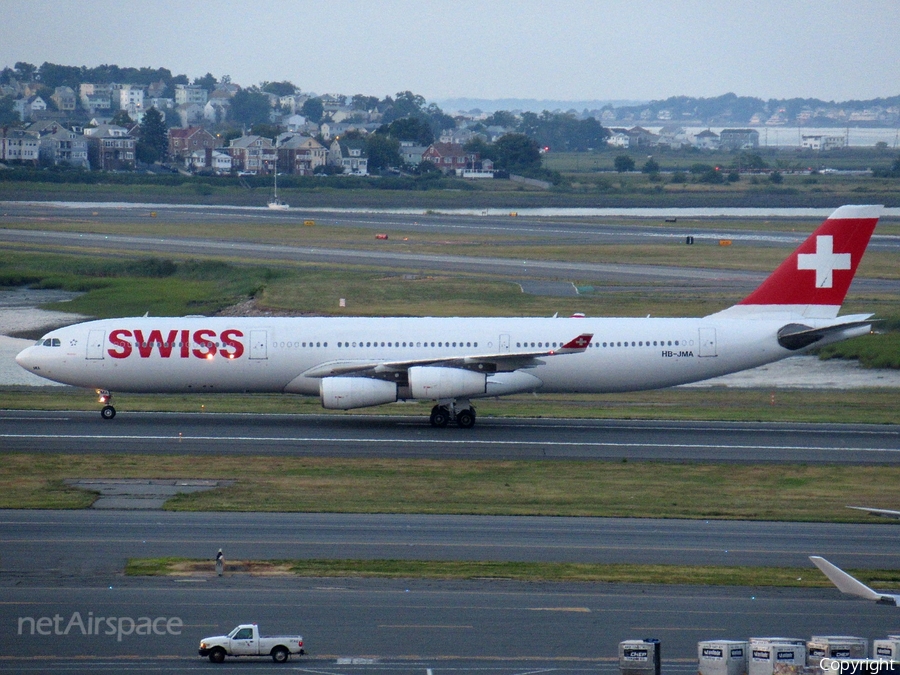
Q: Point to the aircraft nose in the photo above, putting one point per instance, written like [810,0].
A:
[23,358]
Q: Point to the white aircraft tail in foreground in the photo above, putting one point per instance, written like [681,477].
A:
[851,586]
[354,362]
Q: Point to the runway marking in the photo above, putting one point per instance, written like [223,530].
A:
[425,441]
[416,625]
[559,609]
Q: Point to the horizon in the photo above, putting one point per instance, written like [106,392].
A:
[567,51]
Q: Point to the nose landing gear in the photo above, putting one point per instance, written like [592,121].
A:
[107,412]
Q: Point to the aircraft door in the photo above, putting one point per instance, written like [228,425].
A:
[504,343]
[96,338]
[259,344]
[708,342]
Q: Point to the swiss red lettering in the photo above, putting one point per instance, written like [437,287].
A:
[231,346]
[124,342]
[123,350]
[205,346]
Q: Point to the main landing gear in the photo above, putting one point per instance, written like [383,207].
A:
[107,412]
[460,412]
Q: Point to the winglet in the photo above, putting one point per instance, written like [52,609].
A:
[579,344]
[844,582]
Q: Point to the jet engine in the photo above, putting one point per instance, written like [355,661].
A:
[435,382]
[344,393]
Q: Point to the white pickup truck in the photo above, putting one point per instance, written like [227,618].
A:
[245,640]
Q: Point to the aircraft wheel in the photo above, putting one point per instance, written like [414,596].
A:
[440,417]
[107,412]
[465,419]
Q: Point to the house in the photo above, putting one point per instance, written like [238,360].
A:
[350,155]
[17,145]
[672,136]
[300,155]
[818,142]
[64,98]
[110,148]
[738,139]
[706,140]
[183,142]
[294,123]
[330,130]
[215,111]
[411,154]
[448,157]
[619,138]
[638,137]
[253,154]
[190,93]
[219,162]
[189,113]
[63,146]
[30,108]
[131,99]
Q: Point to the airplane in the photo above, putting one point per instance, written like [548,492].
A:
[884,513]
[355,362]
[851,586]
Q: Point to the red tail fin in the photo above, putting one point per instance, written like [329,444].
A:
[814,280]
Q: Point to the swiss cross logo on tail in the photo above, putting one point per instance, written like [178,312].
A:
[837,246]
[824,261]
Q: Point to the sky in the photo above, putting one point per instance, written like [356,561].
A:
[568,50]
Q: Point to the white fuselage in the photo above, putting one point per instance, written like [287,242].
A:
[197,354]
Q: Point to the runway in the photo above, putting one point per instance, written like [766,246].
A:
[356,435]
[59,563]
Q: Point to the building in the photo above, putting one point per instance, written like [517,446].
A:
[218,162]
[738,139]
[350,155]
[449,157]
[189,113]
[411,154]
[706,140]
[131,99]
[110,148]
[63,146]
[183,142]
[65,99]
[822,143]
[253,154]
[190,93]
[19,146]
[300,155]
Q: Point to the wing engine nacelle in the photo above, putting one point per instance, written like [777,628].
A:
[344,393]
[436,382]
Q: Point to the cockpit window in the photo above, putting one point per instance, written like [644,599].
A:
[48,342]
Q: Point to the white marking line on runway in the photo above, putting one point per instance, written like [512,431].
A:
[422,441]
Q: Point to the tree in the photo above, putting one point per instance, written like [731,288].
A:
[650,166]
[313,110]
[249,107]
[517,152]
[412,129]
[8,114]
[208,82]
[383,152]
[122,119]
[154,133]
[284,88]
[623,163]
[363,103]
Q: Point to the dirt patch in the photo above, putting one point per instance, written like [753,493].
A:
[254,568]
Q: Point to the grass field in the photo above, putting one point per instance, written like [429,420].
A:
[783,577]
[546,488]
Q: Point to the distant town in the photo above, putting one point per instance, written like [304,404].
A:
[119,119]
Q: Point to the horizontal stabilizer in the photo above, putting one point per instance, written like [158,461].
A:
[849,585]
[797,336]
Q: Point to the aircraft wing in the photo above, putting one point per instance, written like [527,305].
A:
[486,363]
[850,585]
[887,513]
